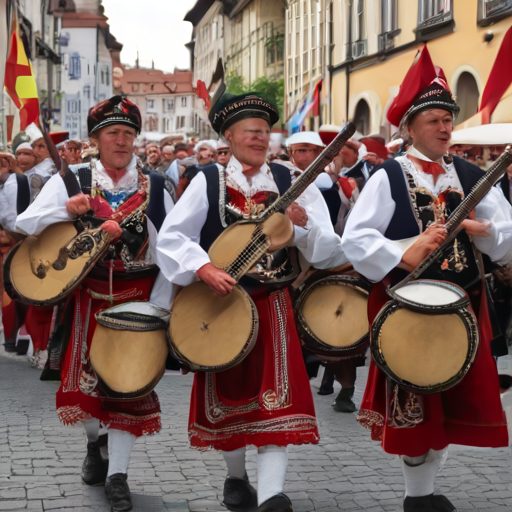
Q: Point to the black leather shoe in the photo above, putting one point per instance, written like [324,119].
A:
[430,503]
[118,492]
[343,402]
[278,503]
[94,468]
[325,391]
[239,494]
[10,347]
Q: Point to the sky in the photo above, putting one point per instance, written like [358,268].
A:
[155,27]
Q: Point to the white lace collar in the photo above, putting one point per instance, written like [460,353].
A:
[105,182]
[262,181]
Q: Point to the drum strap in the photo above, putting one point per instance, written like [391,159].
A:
[23,199]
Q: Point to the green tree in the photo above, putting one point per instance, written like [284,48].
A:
[271,89]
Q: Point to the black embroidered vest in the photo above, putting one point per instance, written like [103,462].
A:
[414,212]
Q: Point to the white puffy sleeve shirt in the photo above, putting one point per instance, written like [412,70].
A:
[179,254]
[374,255]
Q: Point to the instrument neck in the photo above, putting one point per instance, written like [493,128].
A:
[479,191]
[311,173]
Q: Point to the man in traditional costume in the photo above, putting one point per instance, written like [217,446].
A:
[113,188]
[266,400]
[29,175]
[340,193]
[401,200]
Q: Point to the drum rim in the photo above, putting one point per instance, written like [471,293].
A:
[470,323]
[463,302]
[247,348]
[110,394]
[15,294]
[113,320]
[362,286]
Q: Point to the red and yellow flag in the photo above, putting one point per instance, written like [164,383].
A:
[20,83]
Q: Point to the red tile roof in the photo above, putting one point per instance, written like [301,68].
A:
[179,82]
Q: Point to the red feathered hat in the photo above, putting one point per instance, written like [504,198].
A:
[423,88]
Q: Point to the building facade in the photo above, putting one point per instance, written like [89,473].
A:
[307,46]
[247,36]
[360,51]
[376,41]
[166,101]
[254,39]
[85,46]
[207,47]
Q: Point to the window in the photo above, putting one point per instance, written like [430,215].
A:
[150,104]
[168,104]
[184,101]
[389,16]
[75,71]
[73,107]
[358,30]
[434,12]
[362,117]
[467,96]
[389,24]
[107,76]
[87,91]
[491,11]
[167,125]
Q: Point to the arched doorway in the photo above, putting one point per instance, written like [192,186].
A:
[467,96]
[362,117]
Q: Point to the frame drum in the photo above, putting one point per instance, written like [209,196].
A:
[129,349]
[212,333]
[426,337]
[332,315]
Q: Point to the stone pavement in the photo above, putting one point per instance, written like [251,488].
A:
[40,461]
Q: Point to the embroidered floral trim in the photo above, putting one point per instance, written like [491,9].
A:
[279,398]
[286,424]
[372,421]
[217,411]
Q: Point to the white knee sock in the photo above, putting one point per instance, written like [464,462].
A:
[235,461]
[120,446]
[272,463]
[420,472]
[92,429]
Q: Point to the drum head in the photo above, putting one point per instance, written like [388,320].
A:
[209,332]
[423,349]
[130,363]
[429,295]
[335,312]
[44,248]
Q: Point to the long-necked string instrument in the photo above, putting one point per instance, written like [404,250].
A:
[213,333]
[479,191]
[244,243]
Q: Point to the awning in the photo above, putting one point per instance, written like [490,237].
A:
[485,135]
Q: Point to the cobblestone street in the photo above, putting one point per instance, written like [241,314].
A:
[40,460]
